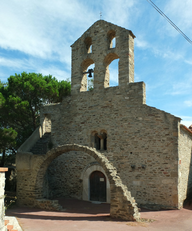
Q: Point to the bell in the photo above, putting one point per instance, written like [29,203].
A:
[90,71]
[90,75]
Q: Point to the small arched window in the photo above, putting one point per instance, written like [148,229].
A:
[88,44]
[111,39]
[99,140]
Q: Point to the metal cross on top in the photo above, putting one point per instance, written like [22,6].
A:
[100,15]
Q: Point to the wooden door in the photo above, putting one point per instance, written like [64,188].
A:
[97,186]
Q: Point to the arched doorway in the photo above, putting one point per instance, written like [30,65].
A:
[97,182]
[85,176]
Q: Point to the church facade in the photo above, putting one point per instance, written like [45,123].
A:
[149,148]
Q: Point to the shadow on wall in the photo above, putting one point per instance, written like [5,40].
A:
[11,179]
[62,178]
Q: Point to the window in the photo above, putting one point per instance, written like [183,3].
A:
[88,44]
[111,39]
[99,141]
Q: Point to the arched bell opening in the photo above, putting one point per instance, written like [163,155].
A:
[87,82]
[111,35]
[112,70]
[88,45]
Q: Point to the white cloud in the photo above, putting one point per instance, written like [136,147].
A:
[140,43]
[32,65]
[55,72]
[189,62]
[160,50]
[187,123]
[182,87]
[188,103]
[118,12]
[15,63]
[186,120]
[41,28]
[46,29]
[180,13]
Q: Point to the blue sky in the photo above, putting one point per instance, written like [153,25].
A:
[35,36]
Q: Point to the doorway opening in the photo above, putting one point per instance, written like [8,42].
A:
[97,182]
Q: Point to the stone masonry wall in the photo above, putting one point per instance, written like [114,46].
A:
[185,164]
[99,36]
[63,175]
[142,141]
[32,168]
[137,135]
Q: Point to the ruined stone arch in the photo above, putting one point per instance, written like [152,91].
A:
[123,206]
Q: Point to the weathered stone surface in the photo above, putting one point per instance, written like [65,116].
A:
[146,149]
[51,205]
[184,165]
[123,207]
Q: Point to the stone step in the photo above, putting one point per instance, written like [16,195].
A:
[41,146]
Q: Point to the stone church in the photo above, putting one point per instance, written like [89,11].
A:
[149,149]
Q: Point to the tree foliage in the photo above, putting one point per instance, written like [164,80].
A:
[20,102]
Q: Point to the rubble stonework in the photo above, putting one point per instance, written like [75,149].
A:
[123,206]
[148,149]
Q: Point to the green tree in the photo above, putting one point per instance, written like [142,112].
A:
[20,102]
[7,141]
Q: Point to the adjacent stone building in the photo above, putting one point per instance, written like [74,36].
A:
[147,148]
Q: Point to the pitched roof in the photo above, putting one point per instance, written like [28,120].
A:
[187,129]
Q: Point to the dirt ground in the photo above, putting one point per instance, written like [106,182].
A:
[87,216]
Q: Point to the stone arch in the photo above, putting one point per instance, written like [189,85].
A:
[85,178]
[123,206]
